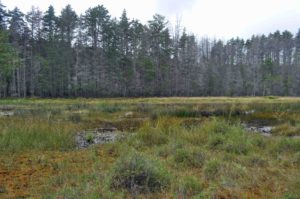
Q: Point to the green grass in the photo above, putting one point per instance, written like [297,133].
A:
[189,157]
[35,134]
[189,186]
[170,149]
[212,169]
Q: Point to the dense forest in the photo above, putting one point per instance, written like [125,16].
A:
[94,54]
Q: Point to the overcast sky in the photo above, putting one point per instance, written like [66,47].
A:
[222,19]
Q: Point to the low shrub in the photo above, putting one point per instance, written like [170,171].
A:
[89,137]
[136,173]
[191,158]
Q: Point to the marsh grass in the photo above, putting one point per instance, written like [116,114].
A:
[190,157]
[158,132]
[285,145]
[75,186]
[287,129]
[19,134]
[255,161]
[152,138]
[173,151]
[189,186]
[212,169]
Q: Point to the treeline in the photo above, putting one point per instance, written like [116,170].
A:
[93,55]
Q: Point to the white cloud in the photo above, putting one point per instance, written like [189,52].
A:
[174,6]
[213,18]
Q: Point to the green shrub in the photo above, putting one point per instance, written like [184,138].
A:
[192,158]
[189,186]
[89,137]
[136,173]
[212,169]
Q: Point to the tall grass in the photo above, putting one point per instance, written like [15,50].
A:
[19,134]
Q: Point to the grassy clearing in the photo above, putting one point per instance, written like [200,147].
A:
[172,149]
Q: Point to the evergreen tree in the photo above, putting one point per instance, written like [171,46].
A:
[49,24]
[96,55]
[3,17]
[8,62]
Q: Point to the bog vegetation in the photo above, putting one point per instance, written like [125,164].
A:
[168,148]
